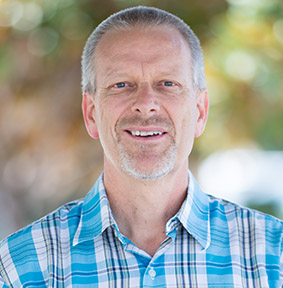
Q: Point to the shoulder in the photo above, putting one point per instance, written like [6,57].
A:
[33,244]
[246,221]
[235,212]
[251,240]
[63,218]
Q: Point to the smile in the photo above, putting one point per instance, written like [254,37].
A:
[146,133]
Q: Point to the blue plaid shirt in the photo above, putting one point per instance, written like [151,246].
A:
[210,243]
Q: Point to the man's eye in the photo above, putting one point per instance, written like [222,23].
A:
[120,85]
[168,83]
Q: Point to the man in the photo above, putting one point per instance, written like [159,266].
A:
[145,223]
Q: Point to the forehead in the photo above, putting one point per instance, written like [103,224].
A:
[163,33]
[145,44]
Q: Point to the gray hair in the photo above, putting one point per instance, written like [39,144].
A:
[138,16]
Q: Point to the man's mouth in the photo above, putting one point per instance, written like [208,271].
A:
[146,133]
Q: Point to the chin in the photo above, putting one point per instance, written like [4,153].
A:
[149,174]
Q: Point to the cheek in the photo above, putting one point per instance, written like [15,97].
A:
[185,132]
[187,136]
[188,129]
[186,118]
[106,121]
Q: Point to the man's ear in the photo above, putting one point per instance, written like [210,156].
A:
[202,107]
[88,108]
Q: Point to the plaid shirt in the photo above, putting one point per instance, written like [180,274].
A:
[210,243]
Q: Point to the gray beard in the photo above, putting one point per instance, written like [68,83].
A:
[159,169]
[164,162]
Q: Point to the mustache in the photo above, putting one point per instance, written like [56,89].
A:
[137,120]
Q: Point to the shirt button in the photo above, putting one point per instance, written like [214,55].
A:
[152,273]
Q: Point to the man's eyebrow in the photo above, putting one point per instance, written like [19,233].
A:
[115,75]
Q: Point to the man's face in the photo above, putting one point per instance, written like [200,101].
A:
[145,110]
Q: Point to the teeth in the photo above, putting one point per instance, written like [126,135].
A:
[145,133]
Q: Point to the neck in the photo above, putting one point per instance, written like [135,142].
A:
[146,205]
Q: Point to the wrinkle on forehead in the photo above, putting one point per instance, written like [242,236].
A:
[145,48]
[119,37]
[174,35]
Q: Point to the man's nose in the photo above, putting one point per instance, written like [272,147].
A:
[145,100]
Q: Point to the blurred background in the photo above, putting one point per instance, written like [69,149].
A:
[46,156]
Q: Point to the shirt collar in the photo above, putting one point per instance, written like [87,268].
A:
[194,213]
[96,215]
